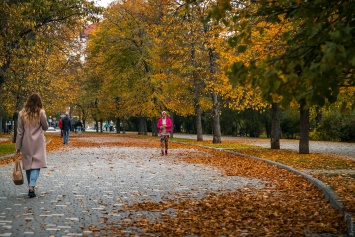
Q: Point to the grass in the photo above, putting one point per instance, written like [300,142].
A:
[7,148]
[311,161]
[230,146]
[301,161]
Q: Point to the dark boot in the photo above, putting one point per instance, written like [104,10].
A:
[31,193]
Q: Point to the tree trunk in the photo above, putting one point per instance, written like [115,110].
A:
[0,125]
[215,104]
[123,126]
[216,119]
[172,121]
[145,126]
[101,125]
[141,126]
[15,118]
[83,118]
[3,70]
[197,90]
[275,127]
[118,130]
[154,127]
[304,129]
[198,123]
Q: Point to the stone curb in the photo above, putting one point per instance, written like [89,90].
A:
[329,193]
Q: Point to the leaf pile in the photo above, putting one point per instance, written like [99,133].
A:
[251,212]
[343,184]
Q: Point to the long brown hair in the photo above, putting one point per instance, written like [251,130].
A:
[32,109]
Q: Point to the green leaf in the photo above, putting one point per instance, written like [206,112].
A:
[242,48]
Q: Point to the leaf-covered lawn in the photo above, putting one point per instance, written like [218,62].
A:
[343,184]
[292,158]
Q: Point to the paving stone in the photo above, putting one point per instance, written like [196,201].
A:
[82,186]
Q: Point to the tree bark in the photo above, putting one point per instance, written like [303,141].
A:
[123,126]
[198,123]
[154,127]
[304,129]
[172,121]
[101,125]
[145,126]
[197,90]
[118,130]
[15,118]
[215,103]
[275,127]
[141,126]
[216,119]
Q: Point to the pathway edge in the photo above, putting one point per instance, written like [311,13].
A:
[328,192]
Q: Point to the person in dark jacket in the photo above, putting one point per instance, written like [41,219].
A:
[66,126]
[78,126]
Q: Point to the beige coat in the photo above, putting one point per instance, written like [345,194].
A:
[30,139]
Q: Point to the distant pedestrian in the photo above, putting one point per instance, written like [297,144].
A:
[106,126]
[66,128]
[111,126]
[61,127]
[32,121]
[78,126]
[164,125]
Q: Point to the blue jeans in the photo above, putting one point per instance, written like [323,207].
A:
[66,134]
[32,176]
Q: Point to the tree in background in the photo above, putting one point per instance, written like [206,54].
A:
[32,34]
[318,58]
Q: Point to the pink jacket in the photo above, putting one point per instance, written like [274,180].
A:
[168,126]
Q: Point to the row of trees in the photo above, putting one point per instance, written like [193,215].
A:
[149,56]
[190,58]
[198,56]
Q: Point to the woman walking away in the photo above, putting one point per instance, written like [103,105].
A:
[164,126]
[32,122]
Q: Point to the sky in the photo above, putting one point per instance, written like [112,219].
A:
[103,3]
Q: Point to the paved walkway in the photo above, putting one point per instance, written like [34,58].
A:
[89,186]
[84,186]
